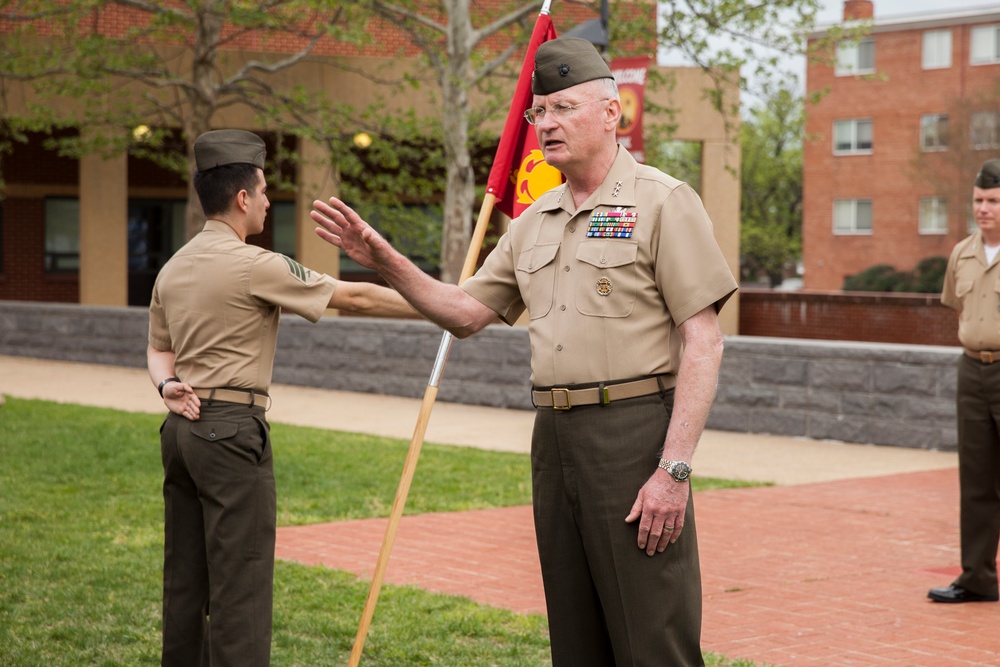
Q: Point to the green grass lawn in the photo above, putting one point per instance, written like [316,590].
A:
[81,545]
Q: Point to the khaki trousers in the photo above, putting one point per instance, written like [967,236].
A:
[220,515]
[608,602]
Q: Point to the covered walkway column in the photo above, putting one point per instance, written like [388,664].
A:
[104,230]
[316,180]
[720,190]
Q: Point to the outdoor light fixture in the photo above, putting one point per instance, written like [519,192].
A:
[362,140]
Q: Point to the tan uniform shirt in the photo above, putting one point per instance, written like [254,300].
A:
[606,306]
[973,288]
[216,305]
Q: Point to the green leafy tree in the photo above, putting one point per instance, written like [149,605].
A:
[771,185]
[124,63]
[108,66]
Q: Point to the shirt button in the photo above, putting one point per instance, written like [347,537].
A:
[562,307]
[559,348]
[572,229]
[604,260]
[565,268]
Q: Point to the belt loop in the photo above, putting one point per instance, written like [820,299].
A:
[253,398]
[663,390]
[211,394]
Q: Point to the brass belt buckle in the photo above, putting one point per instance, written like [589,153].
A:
[556,406]
[986,357]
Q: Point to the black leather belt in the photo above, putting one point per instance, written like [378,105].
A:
[564,398]
[249,397]
[984,356]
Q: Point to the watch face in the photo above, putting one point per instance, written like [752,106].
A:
[680,471]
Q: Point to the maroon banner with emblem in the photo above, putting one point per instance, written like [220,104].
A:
[630,73]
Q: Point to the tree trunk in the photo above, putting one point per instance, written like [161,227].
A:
[456,229]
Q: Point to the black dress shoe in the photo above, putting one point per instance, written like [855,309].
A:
[955,593]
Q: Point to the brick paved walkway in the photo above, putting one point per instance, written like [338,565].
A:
[826,574]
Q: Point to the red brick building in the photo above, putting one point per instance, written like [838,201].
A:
[910,112]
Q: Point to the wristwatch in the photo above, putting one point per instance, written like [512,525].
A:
[679,470]
[164,382]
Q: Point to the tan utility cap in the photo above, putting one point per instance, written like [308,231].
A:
[220,147]
[566,62]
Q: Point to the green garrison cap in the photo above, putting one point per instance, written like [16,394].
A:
[220,147]
[565,62]
[989,175]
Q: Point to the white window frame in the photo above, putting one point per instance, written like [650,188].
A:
[846,211]
[853,57]
[984,46]
[933,216]
[936,52]
[934,132]
[984,130]
[851,126]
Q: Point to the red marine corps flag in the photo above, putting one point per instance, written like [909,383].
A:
[520,174]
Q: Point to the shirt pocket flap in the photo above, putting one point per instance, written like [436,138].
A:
[537,257]
[214,431]
[608,255]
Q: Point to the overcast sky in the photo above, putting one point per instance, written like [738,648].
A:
[832,12]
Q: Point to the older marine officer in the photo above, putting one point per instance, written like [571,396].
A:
[972,287]
[213,325]
[618,270]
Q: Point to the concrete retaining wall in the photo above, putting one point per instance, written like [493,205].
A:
[879,393]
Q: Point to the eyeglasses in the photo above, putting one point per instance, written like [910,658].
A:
[561,111]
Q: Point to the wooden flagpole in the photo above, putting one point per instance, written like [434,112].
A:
[417,441]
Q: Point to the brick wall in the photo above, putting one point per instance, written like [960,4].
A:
[896,174]
[916,319]
[886,394]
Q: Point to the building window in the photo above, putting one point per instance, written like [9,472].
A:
[985,45]
[855,58]
[983,130]
[852,136]
[62,234]
[934,132]
[937,49]
[283,227]
[933,215]
[852,216]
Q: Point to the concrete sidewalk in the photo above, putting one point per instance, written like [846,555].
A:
[744,456]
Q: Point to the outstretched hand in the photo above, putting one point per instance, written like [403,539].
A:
[341,226]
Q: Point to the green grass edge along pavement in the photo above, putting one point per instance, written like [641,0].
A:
[81,545]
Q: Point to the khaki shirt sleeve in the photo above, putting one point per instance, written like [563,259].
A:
[495,284]
[281,281]
[691,271]
[159,334]
[949,295]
